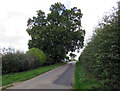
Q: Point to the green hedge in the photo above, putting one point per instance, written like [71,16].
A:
[101,56]
[17,62]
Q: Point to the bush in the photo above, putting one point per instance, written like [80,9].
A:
[49,61]
[18,62]
[37,53]
[102,55]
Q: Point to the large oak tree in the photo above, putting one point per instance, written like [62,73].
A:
[57,33]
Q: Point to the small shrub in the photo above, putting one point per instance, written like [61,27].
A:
[39,54]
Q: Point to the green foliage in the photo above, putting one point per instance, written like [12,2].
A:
[17,62]
[57,33]
[37,53]
[102,54]
[67,57]
[72,56]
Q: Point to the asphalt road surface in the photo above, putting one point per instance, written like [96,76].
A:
[59,78]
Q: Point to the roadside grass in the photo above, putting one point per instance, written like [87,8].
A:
[22,76]
[84,80]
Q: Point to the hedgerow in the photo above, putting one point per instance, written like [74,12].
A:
[101,56]
[18,61]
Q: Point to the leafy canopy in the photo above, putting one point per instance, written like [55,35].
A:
[57,33]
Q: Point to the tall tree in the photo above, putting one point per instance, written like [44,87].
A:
[72,56]
[58,33]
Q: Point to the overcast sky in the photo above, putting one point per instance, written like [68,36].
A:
[15,13]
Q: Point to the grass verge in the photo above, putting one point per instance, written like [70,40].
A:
[84,80]
[22,76]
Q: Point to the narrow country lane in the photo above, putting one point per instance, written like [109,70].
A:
[59,78]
